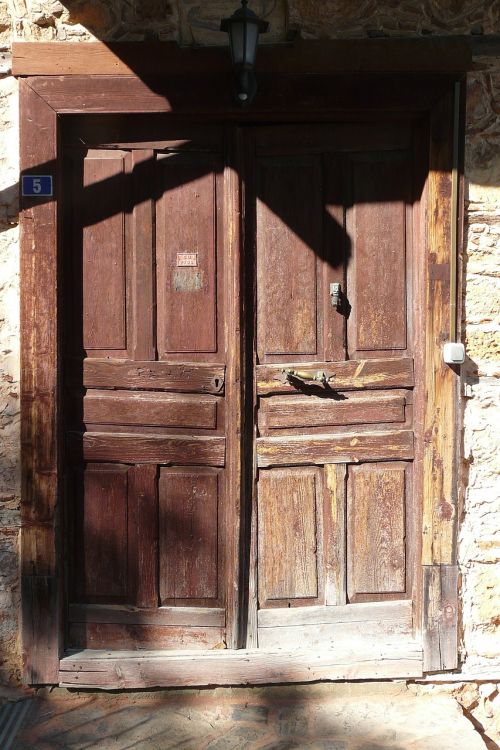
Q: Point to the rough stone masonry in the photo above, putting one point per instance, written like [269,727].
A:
[191,21]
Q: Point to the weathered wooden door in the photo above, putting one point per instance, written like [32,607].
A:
[145,358]
[153,412]
[336,503]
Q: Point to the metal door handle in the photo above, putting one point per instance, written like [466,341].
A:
[305,375]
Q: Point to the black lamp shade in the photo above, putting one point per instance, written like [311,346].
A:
[243,28]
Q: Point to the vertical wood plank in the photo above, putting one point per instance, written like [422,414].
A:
[334,515]
[335,242]
[439,456]
[103,217]
[189,518]
[142,248]
[376,534]
[103,536]
[236,458]
[440,605]
[380,192]
[289,235]
[41,628]
[143,535]
[288,534]
[187,226]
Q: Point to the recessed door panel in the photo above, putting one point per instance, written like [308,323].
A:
[289,235]
[189,502]
[187,238]
[103,249]
[289,516]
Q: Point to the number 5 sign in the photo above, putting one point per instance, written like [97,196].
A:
[37,185]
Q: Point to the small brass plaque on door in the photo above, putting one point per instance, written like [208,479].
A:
[187,259]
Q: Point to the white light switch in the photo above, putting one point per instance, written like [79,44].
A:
[454,353]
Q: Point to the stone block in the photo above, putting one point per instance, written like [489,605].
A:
[199,23]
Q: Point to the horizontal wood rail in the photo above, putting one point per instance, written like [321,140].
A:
[350,375]
[150,449]
[395,445]
[450,54]
[150,408]
[126,614]
[398,610]
[161,376]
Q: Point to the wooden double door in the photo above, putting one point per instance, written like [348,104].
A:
[241,384]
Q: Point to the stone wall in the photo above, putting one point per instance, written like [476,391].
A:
[191,21]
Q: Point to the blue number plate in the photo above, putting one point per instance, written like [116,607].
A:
[37,185]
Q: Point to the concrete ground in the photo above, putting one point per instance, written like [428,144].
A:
[369,716]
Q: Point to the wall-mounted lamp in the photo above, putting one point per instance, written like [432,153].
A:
[244,28]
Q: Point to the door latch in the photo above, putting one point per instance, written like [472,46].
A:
[305,375]
[336,295]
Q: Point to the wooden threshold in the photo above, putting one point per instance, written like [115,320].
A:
[394,658]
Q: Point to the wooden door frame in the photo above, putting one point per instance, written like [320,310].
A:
[307,91]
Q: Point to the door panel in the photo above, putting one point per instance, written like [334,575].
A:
[335,432]
[290,553]
[103,560]
[187,257]
[145,368]
[104,248]
[190,500]
[288,230]
[376,536]
[377,227]
[293,413]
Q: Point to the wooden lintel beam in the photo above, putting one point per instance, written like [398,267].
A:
[444,54]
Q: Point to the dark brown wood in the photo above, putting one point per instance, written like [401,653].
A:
[154,449]
[189,191]
[189,503]
[160,409]
[440,615]
[343,448]
[41,569]
[41,645]
[180,378]
[312,411]
[305,93]
[142,519]
[305,56]
[334,250]
[143,260]
[103,253]
[103,555]
[350,375]
[333,139]
[232,519]
[138,636]
[278,96]
[148,536]
[127,614]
